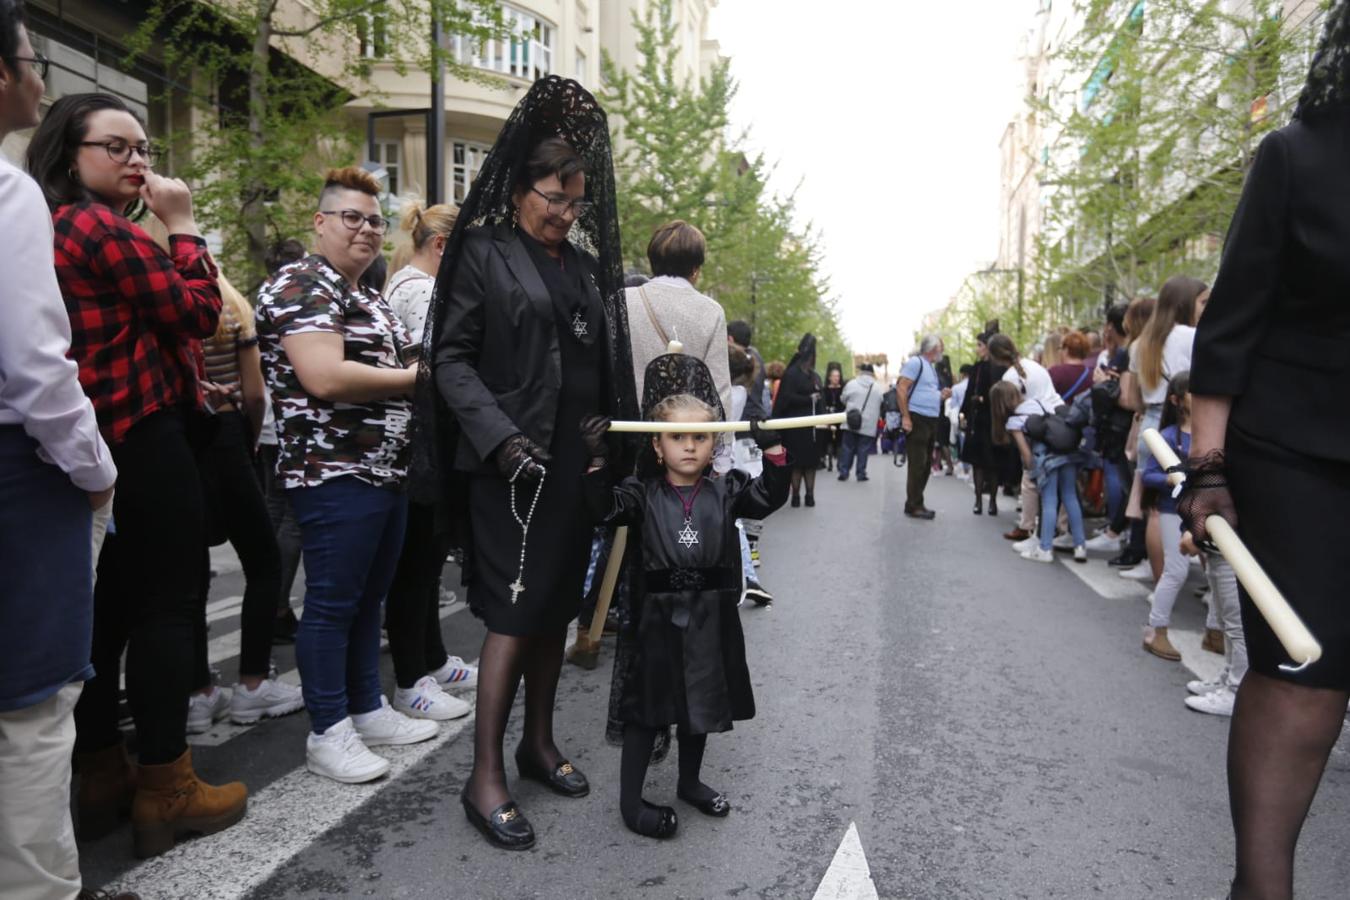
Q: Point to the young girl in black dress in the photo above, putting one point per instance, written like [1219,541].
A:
[687,662]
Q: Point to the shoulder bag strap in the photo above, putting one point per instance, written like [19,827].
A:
[651,314]
[1080,380]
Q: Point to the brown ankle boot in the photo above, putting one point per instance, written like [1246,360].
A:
[1213,641]
[584,652]
[1156,642]
[172,802]
[107,784]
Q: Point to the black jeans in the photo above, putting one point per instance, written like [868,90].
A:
[919,450]
[236,510]
[412,615]
[149,593]
[284,526]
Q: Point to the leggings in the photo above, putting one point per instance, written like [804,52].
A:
[1175,569]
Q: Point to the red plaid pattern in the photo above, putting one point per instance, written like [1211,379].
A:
[137,314]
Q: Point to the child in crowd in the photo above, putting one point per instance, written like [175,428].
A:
[687,662]
[1176,430]
[1054,474]
[746,457]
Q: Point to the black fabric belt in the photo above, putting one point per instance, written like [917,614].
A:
[717,578]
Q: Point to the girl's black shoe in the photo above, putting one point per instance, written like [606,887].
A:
[565,779]
[979,507]
[654,821]
[506,827]
[796,501]
[993,505]
[810,499]
[718,806]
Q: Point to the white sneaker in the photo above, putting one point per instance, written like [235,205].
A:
[1036,554]
[387,725]
[272,698]
[206,709]
[1026,544]
[1215,703]
[340,754]
[1141,572]
[1080,553]
[1200,688]
[1104,543]
[456,673]
[1062,542]
[426,700]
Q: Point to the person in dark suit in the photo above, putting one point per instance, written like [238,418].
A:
[1271,454]
[527,338]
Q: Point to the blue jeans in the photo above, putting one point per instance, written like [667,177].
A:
[352,534]
[1118,481]
[854,445]
[1061,485]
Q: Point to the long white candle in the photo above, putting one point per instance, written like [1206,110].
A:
[1288,627]
[767,424]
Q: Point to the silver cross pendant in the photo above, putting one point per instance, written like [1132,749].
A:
[516,590]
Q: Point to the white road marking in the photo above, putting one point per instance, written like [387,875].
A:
[848,877]
[284,819]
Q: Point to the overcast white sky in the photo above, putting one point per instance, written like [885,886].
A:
[891,111]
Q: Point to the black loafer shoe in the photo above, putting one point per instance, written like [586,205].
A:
[505,827]
[565,779]
[718,807]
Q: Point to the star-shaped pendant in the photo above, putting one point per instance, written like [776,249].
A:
[580,327]
[688,537]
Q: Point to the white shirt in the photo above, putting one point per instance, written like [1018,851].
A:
[1037,385]
[409,295]
[1018,420]
[1176,358]
[39,384]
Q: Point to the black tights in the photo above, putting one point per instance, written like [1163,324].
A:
[986,482]
[504,661]
[1281,737]
[638,741]
[807,475]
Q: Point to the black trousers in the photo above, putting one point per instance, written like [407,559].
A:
[148,597]
[919,450]
[284,526]
[237,511]
[412,614]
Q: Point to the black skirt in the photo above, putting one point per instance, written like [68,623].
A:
[1285,502]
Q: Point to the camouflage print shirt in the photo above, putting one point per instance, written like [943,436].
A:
[321,439]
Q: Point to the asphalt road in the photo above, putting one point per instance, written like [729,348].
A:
[990,725]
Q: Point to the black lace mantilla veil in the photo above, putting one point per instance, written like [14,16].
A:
[1328,84]
[554,107]
[667,376]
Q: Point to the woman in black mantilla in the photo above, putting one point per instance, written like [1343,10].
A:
[979,451]
[798,393]
[682,655]
[1270,452]
[526,339]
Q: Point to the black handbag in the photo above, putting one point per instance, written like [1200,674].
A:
[1056,430]
[853,417]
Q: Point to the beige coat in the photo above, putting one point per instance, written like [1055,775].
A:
[685,315]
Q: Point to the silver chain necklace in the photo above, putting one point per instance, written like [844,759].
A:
[518,586]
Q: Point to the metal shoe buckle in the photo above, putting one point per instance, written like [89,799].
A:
[507,816]
[566,769]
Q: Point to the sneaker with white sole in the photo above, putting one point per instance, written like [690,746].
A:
[1215,703]
[271,699]
[204,710]
[1141,572]
[388,726]
[1036,554]
[1080,554]
[426,700]
[340,754]
[1200,688]
[1062,542]
[456,673]
[1023,546]
[1104,543]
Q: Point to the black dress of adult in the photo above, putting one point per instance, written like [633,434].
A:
[798,393]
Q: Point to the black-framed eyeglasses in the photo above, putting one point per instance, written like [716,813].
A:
[119,151]
[41,64]
[558,205]
[354,219]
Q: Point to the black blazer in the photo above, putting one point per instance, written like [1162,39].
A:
[497,362]
[1276,333]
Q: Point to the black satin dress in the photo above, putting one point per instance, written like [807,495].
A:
[686,661]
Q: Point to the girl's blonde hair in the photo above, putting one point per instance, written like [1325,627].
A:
[1004,398]
[232,298]
[677,403]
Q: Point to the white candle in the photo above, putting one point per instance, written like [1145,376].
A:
[767,424]
[1298,642]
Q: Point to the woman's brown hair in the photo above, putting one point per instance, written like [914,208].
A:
[1176,306]
[1004,398]
[1076,344]
[676,248]
[1003,351]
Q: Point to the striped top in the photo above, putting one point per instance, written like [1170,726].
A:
[221,350]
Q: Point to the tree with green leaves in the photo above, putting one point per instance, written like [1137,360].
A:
[676,162]
[1157,109]
[269,78]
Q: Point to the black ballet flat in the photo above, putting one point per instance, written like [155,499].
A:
[979,508]
[565,778]
[506,827]
[718,807]
[666,827]
[993,507]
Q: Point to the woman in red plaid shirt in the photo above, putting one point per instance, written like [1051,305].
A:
[137,316]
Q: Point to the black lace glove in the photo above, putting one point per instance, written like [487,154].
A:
[1205,494]
[520,457]
[764,439]
[595,437]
